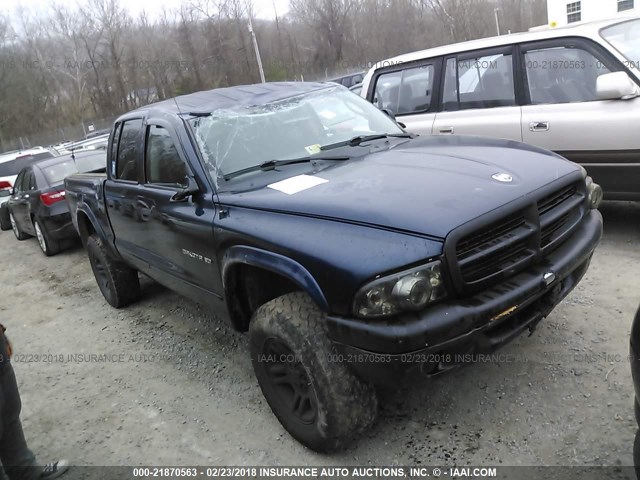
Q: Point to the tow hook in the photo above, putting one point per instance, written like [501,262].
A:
[533,326]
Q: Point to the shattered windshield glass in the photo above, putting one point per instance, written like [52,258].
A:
[234,139]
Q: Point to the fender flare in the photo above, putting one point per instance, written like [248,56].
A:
[93,220]
[275,263]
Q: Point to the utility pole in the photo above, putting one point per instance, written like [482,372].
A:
[255,47]
[495,11]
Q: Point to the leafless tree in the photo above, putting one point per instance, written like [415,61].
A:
[74,63]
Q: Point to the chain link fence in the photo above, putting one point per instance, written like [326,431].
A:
[52,137]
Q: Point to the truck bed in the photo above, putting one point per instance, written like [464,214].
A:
[85,192]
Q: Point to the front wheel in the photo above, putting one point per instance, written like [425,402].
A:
[20,235]
[316,398]
[118,282]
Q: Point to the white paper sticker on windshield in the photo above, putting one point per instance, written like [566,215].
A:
[313,149]
[297,184]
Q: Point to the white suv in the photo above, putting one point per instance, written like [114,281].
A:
[573,90]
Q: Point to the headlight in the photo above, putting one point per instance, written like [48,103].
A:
[409,290]
[595,193]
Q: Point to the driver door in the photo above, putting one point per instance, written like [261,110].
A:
[178,234]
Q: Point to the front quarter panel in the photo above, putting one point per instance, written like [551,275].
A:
[340,257]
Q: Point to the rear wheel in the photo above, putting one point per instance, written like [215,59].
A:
[118,282]
[48,246]
[5,222]
[16,229]
[316,398]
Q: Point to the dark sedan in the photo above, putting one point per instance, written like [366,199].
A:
[37,207]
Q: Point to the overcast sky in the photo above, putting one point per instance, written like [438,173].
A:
[263,8]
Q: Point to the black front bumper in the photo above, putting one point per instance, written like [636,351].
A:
[453,333]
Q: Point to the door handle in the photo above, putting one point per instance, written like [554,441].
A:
[539,126]
[145,211]
[447,130]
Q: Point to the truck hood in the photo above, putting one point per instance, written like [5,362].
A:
[428,185]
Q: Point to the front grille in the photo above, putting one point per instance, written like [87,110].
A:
[558,213]
[507,246]
[551,201]
[491,264]
[493,234]
[554,229]
[498,247]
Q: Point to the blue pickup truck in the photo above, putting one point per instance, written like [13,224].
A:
[353,253]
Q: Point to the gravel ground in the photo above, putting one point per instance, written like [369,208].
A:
[179,388]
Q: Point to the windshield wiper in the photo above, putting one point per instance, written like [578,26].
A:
[355,141]
[273,164]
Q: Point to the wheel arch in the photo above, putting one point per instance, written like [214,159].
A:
[86,225]
[244,265]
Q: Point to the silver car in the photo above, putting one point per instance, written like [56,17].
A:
[573,90]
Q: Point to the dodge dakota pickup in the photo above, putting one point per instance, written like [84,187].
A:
[353,253]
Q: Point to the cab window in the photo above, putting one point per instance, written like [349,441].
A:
[163,165]
[562,75]
[479,82]
[405,91]
[114,147]
[126,163]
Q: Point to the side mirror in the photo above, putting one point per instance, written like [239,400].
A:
[191,189]
[616,86]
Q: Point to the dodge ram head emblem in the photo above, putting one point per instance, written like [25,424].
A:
[502,177]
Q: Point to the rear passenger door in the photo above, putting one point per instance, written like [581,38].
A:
[409,93]
[122,189]
[563,113]
[479,95]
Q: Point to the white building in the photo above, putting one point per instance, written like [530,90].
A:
[563,12]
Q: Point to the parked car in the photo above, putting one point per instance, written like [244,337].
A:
[9,169]
[36,206]
[348,80]
[37,152]
[98,133]
[95,143]
[571,90]
[353,256]
[357,88]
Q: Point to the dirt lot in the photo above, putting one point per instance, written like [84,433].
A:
[179,388]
